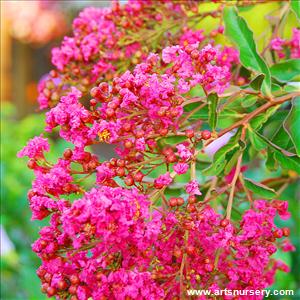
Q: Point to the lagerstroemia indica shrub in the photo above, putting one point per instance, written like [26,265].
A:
[173,209]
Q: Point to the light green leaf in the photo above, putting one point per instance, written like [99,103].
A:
[238,31]
[259,120]
[281,138]
[215,168]
[255,141]
[249,100]
[292,124]
[259,189]
[293,86]
[287,70]
[288,163]
[212,100]
[295,6]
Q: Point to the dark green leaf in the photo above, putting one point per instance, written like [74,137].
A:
[259,189]
[287,160]
[232,161]
[274,146]
[256,83]
[287,70]
[295,6]
[271,163]
[292,124]
[238,31]
[281,138]
[212,101]
[200,114]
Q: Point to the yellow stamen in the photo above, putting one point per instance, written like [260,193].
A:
[104,135]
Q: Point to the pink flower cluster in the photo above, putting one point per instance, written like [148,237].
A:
[93,247]
[100,42]
[287,48]
[98,239]
[236,256]
[35,148]
[137,226]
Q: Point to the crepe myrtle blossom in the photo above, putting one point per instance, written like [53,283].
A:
[99,43]
[192,188]
[284,46]
[35,148]
[157,218]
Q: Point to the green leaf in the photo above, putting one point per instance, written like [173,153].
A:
[259,189]
[255,141]
[233,142]
[245,8]
[215,168]
[259,120]
[274,146]
[256,83]
[281,138]
[238,31]
[232,161]
[287,160]
[295,6]
[292,86]
[287,70]
[292,124]
[212,100]
[219,159]
[288,163]
[249,100]
[271,163]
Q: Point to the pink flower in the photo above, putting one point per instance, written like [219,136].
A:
[181,168]
[276,44]
[287,246]
[56,180]
[104,173]
[35,148]
[169,54]
[192,188]
[183,152]
[282,209]
[163,180]
[295,43]
[192,37]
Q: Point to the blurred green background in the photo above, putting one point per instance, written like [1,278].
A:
[25,57]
